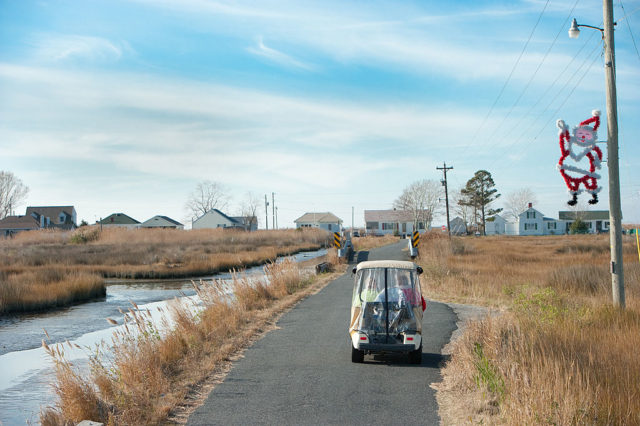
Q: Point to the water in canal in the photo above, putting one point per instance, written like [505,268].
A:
[26,372]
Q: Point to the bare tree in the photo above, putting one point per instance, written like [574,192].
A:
[208,195]
[518,201]
[12,193]
[249,209]
[422,199]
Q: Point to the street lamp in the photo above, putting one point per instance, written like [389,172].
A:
[615,211]
[574,31]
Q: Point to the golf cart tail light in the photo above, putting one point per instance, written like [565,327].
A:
[363,337]
[409,339]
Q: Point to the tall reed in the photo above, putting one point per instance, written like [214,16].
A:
[146,371]
[44,289]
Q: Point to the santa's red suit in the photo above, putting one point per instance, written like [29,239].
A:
[580,157]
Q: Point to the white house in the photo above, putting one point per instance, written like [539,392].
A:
[533,222]
[216,219]
[496,225]
[530,222]
[380,222]
[323,220]
[161,222]
[596,220]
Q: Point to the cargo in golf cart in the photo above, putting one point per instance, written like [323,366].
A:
[386,310]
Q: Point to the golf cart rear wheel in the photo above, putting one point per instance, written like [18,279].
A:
[357,355]
[415,357]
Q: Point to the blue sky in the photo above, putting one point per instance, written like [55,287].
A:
[124,106]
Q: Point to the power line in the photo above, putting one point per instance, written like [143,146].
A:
[535,73]
[554,99]
[504,86]
[552,117]
[629,26]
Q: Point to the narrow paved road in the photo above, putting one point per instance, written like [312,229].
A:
[302,373]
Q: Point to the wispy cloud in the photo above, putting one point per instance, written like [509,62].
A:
[278,57]
[62,47]
[180,128]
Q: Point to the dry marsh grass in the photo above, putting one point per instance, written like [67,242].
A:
[152,253]
[559,353]
[44,289]
[146,374]
[369,242]
[47,269]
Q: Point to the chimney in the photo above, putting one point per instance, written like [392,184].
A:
[530,205]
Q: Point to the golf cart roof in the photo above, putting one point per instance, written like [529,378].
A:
[397,264]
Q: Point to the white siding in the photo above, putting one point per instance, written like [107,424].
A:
[212,219]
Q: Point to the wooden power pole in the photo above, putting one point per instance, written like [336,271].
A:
[446,192]
[615,211]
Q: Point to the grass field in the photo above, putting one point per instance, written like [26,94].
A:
[558,352]
[46,269]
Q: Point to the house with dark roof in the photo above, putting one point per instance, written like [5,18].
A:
[118,220]
[380,222]
[458,226]
[596,220]
[161,222]
[60,217]
[323,220]
[11,225]
[214,218]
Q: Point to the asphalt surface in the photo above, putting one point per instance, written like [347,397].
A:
[302,372]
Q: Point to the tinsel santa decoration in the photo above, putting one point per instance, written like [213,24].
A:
[580,158]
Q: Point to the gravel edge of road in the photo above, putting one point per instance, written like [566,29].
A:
[456,407]
[465,314]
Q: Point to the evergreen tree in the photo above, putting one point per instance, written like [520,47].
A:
[579,227]
[479,192]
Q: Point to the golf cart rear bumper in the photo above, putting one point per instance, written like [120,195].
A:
[384,347]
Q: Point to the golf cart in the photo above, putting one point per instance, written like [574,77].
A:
[386,310]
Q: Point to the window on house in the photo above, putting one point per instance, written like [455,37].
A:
[420,225]
[386,226]
[372,225]
[329,227]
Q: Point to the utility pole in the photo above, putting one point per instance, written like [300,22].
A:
[352,221]
[273,210]
[615,210]
[266,213]
[446,192]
